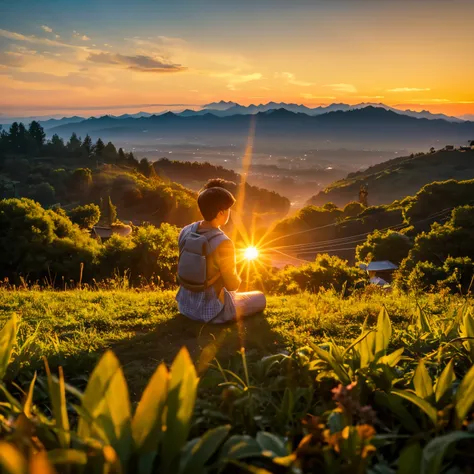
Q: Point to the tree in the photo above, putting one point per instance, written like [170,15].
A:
[81,180]
[432,149]
[87,145]
[43,193]
[109,212]
[39,243]
[36,132]
[145,167]
[390,245]
[99,147]
[363,195]
[86,216]
[74,145]
[56,146]
[110,152]
[14,136]
[121,155]
[353,209]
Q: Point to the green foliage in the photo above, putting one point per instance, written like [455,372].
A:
[353,209]
[388,245]
[41,244]
[86,216]
[150,255]
[324,273]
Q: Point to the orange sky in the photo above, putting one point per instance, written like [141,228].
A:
[110,57]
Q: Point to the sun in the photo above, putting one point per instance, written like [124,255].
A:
[251,253]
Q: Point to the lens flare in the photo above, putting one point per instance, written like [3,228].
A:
[250,253]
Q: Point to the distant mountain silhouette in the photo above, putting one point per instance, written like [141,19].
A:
[281,129]
[233,109]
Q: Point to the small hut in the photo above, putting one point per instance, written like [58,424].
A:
[104,233]
[380,272]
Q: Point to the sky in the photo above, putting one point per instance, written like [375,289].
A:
[91,57]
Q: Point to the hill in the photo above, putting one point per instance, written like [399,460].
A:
[194,175]
[397,178]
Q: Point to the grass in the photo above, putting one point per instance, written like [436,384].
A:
[74,328]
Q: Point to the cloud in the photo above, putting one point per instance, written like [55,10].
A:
[409,89]
[10,59]
[47,29]
[311,97]
[292,79]
[34,39]
[137,63]
[342,87]
[371,97]
[80,36]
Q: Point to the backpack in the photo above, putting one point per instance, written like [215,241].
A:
[194,249]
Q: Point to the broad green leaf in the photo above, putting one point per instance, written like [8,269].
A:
[29,398]
[445,380]
[467,330]
[67,456]
[383,333]
[367,347]
[57,395]
[395,405]
[240,447]
[148,420]
[465,395]
[194,460]
[7,341]
[11,460]
[422,321]
[338,369]
[435,450]
[392,359]
[181,399]
[271,443]
[419,402]
[409,461]
[357,341]
[422,381]
[107,401]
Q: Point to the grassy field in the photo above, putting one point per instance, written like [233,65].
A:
[74,328]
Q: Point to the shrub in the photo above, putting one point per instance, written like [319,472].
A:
[389,245]
[325,272]
[86,216]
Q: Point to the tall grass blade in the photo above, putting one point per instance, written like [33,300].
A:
[7,341]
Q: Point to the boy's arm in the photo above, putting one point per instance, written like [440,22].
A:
[226,262]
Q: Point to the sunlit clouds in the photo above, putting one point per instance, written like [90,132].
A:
[316,52]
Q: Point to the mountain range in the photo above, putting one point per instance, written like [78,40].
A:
[281,130]
[225,109]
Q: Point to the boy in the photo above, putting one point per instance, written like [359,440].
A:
[216,301]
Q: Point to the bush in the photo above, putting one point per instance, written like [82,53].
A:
[41,244]
[325,272]
[353,209]
[86,216]
[389,245]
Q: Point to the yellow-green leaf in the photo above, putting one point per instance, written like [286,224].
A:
[383,333]
[338,369]
[467,330]
[180,406]
[435,450]
[29,398]
[194,459]
[409,461]
[107,402]
[57,395]
[11,460]
[67,456]
[392,359]
[147,422]
[7,341]
[465,395]
[422,381]
[422,321]
[445,380]
[419,402]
